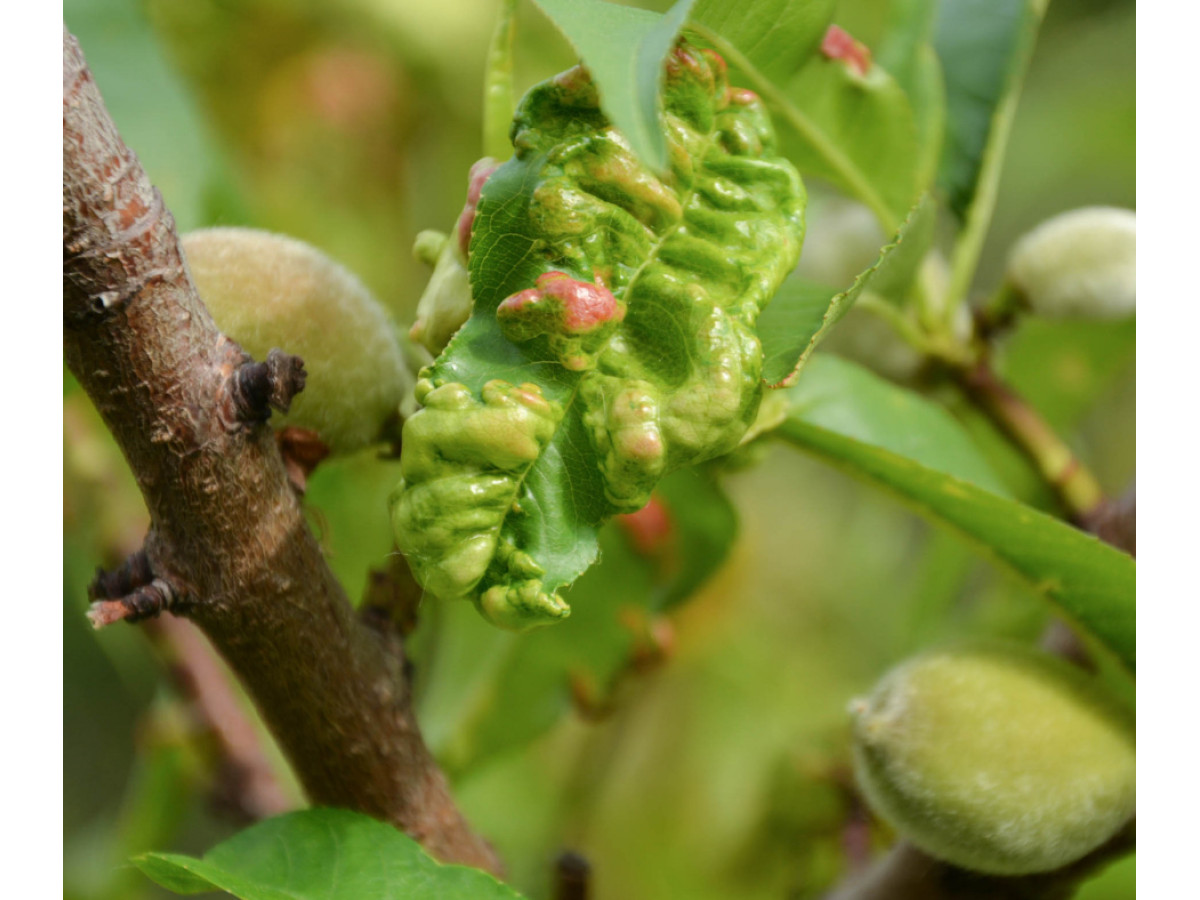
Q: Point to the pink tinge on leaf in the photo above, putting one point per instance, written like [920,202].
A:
[480,172]
[650,530]
[519,301]
[685,57]
[716,60]
[585,305]
[838,44]
[742,96]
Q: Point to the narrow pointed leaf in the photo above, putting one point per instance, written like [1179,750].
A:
[849,399]
[984,47]
[906,51]
[802,312]
[1088,581]
[321,854]
[624,49]
[613,337]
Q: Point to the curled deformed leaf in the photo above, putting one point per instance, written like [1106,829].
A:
[613,337]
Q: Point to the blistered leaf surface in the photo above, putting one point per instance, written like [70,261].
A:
[613,338]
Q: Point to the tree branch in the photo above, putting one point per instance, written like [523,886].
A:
[1058,465]
[228,538]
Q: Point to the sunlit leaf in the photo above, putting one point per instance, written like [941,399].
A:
[984,47]
[624,49]
[776,36]
[802,313]
[321,854]
[855,129]
[536,427]
[1088,581]
[846,398]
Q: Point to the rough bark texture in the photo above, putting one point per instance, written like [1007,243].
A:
[227,530]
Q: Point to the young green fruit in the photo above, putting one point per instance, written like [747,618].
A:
[994,758]
[265,290]
[1080,264]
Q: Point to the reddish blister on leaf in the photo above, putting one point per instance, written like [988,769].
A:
[742,96]
[585,306]
[480,172]
[575,307]
[840,44]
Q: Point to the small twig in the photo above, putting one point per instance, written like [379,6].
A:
[134,573]
[572,877]
[246,785]
[131,593]
[258,387]
[1075,486]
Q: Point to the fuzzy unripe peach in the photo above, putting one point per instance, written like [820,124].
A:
[1080,264]
[996,758]
[266,290]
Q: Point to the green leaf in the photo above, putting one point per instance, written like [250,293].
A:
[624,49]
[513,688]
[856,131]
[984,47]
[705,525]
[846,398]
[927,94]
[538,426]
[1088,581]
[802,312]
[907,52]
[898,269]
[908,27]
[321,854]
[776,36]
[1063,368]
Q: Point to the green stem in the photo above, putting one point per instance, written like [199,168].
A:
[1075,486]
[853,177]
[931,344]
[498,102]
[969,246]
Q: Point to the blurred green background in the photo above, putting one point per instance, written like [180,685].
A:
[352,125]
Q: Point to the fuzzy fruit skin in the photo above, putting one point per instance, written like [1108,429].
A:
[266,290]
[998,759]
[1080,264]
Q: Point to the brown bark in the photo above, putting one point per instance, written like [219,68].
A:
[227,533]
